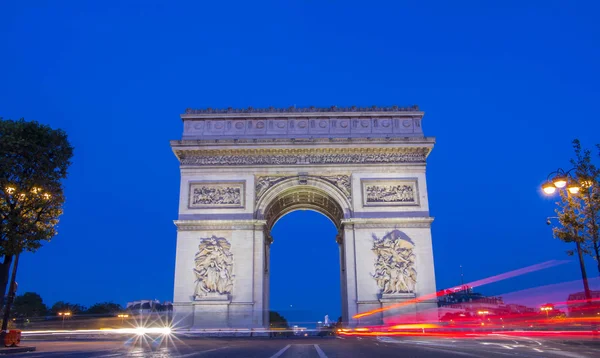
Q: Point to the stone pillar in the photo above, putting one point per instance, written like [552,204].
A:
[267,279]
[344,290]
[349,273]
[414,233]
[242,307]
[260,296]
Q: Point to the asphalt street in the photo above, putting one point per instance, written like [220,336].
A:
[312,347]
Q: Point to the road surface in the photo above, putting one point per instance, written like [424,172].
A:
[315,347]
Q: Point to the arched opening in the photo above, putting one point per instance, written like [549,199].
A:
[305,272]
[305,269]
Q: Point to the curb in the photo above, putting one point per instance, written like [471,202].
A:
[13,350]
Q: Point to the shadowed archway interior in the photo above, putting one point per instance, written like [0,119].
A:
[303,197]
[305,269]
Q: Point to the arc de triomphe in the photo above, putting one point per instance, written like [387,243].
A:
[242,170]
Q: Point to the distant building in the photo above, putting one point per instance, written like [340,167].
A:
[577,304]
[464,299]
[516,308]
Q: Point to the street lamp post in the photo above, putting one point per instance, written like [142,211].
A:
[64,315]
[122,317]
[546,309]
[561,179]
[483,314]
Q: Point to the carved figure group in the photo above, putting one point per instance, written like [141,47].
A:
[213,267]
[216,195]
[390,193]
[264,183]
[342,182]
[394,266]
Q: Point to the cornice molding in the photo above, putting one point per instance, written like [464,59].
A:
[409,222]
[300,110]
[424,141]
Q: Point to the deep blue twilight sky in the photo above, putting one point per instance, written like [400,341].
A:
[505,88]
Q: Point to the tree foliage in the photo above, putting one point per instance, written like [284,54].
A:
[579,214]
[277,321]
[104,308]
[29,305]
[62,306]
[34,159]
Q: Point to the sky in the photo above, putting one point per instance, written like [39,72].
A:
[505,87]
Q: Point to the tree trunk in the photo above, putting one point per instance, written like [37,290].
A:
[4,273]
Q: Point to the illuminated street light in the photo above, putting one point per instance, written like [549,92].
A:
[548,188]
[561,179]
[64,314]
[546,309]
[122,317]
[573,188]
[482,312]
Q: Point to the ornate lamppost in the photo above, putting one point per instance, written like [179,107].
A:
[563,180]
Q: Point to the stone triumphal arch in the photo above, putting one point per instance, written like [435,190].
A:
[242,170]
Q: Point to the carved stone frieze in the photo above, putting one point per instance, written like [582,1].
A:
[395,271]
[213,267]
[302,157]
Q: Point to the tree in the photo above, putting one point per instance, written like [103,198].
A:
[62,306]
[579,214]
[277,321]
[29,305]
[104,308]
[34,159]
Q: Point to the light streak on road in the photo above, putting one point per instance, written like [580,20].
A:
[477,283]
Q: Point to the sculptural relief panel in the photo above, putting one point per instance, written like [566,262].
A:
[395,271]
[390,192]
[221,194]
[213,268]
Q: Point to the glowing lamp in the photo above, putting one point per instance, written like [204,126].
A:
[573,188]
[560,181]
[548,188]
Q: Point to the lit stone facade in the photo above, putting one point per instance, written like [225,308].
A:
[241,170]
